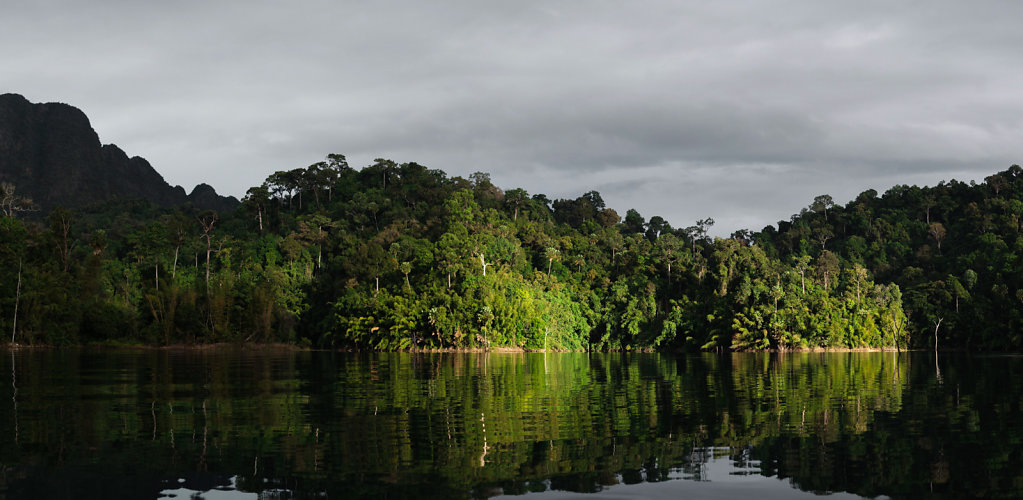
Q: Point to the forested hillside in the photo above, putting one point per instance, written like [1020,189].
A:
[954,250]
[396,256]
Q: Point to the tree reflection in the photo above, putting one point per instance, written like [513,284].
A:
[477,425]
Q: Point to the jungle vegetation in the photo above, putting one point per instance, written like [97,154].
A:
[400,256]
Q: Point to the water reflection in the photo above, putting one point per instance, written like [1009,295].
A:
[133,423]
[214,487]
[713,473]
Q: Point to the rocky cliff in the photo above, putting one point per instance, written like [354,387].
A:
[51,154]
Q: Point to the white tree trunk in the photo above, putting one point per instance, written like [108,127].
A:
[17,300]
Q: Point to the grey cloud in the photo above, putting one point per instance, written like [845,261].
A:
[742,111]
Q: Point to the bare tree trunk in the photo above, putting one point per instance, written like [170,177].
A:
[207,263]
[936,326]
[207,223]
[174,268]
[897,329]
[157,267]
[483,262]
[17,300]
[65,246]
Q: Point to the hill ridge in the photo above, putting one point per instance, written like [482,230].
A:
[51,153]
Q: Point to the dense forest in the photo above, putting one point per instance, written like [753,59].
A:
[399,256]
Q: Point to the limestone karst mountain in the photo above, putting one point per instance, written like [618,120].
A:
[51,154]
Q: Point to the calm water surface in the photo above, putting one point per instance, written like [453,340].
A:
[228,424]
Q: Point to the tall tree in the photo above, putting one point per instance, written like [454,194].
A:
[206,222]
[60,229]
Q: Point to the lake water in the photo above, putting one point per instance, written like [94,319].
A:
[229,423]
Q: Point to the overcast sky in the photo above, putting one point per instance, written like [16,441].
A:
[742,111]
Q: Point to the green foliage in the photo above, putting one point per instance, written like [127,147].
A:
[953,249]
[398,256]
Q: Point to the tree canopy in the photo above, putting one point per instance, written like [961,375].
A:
[398,256]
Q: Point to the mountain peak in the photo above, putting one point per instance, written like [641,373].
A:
[51,153]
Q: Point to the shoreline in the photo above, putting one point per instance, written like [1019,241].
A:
[277,346]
